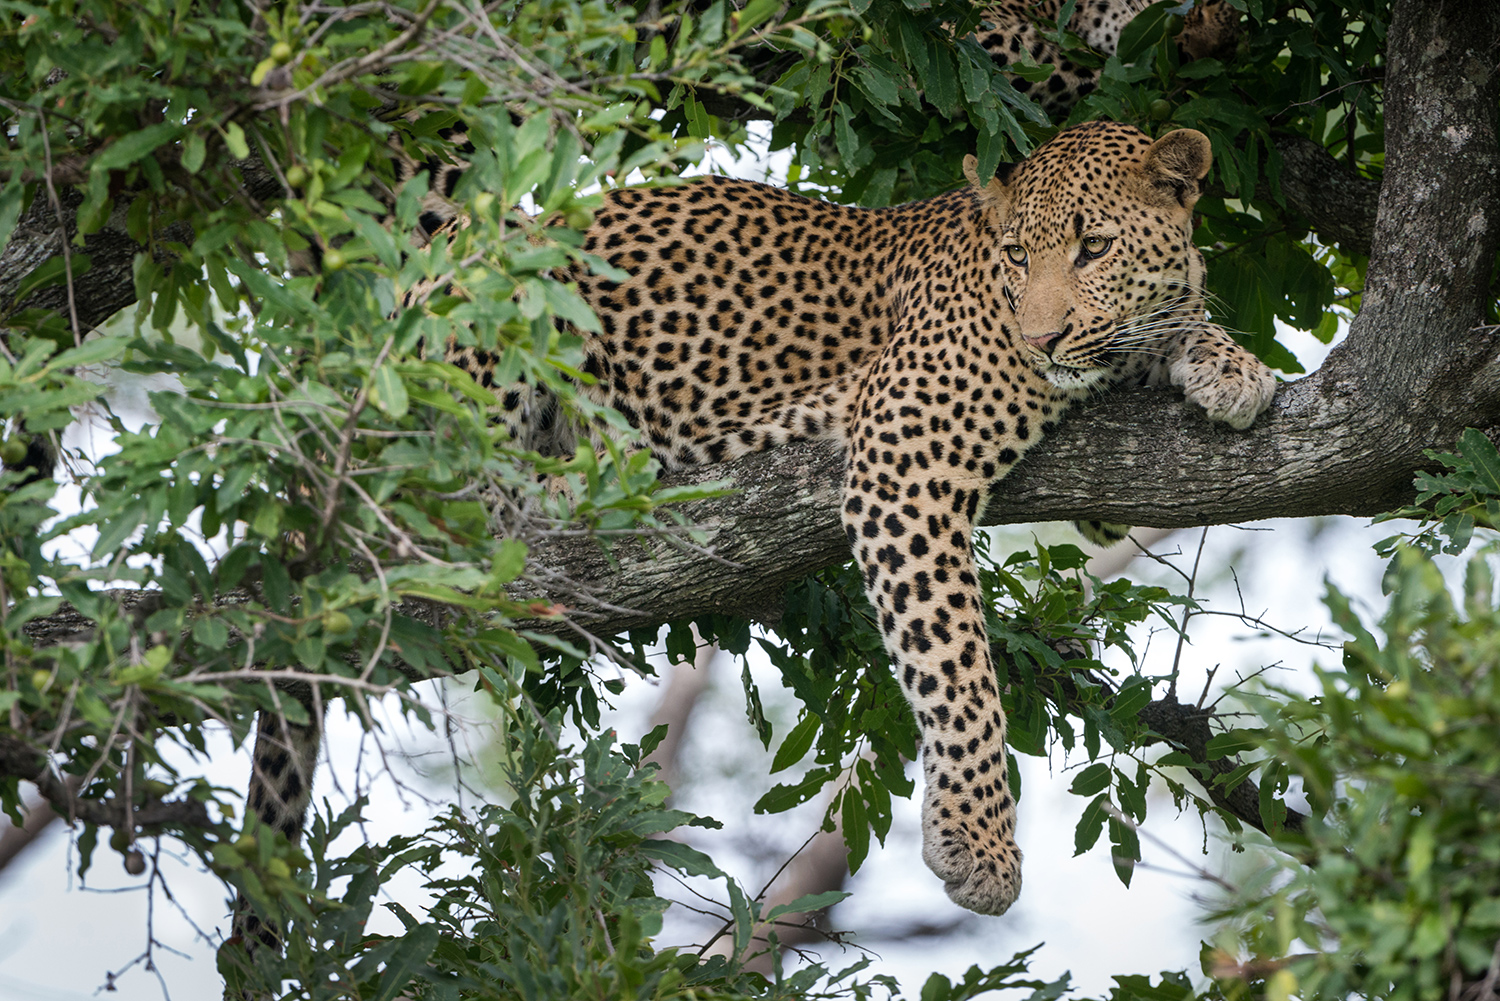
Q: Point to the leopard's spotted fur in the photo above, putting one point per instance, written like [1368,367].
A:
[937,341]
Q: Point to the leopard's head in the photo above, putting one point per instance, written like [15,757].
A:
[1094,249]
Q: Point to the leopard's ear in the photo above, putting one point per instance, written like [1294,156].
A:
[1176,165]
[994,196]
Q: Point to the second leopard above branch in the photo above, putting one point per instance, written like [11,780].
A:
[1017,31]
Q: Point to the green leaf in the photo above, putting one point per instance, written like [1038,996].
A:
[119,528]
[1135,695]
[856,828]
[780,798]
[134,145]
[796,743]
[652,740]
[211,633]
[739,908]
[680,857]
[753,14]
[1479,450]
[194,150]
[877,86]
[1126,845]
[942,78]
[808,904]
[390,391]
[90,352]
[1090,825]
[1091,781]
[753,708]
[234,138]
[1226,744]
[407,961]
[52,271]
[1145,30]
[12,200]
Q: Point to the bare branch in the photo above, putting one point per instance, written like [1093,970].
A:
[1189,728]
[20,760]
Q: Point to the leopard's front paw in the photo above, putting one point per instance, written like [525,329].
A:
[980,868]
[1223,378]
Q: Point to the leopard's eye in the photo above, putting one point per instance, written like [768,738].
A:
[1016,253]
[1096,246]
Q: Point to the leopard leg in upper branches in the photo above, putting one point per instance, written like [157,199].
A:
[280,791]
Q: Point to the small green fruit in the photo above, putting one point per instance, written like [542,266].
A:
[282,53]
[333,259]
[296,175]
[245,844]
[13,452]
[1409,785]
[1160,110]
[484,203]
[337,622]
[41,679]
[278,868]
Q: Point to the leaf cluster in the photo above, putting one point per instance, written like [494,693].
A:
[1392,891]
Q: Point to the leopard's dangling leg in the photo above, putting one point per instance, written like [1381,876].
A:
[923,585]
[912,492]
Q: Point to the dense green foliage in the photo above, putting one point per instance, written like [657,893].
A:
[325,470]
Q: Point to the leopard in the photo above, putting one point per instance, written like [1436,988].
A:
[936,343]
[1015,31]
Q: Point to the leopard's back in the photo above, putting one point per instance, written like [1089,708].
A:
[750,315]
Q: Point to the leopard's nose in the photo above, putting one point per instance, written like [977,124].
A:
[1043,342]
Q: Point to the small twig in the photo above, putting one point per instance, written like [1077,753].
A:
[62,230]
[1199,871]
[1207,682]
[1187,613]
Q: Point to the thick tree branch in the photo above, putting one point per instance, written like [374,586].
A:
[1337,203]
[108,285]
[21,760]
